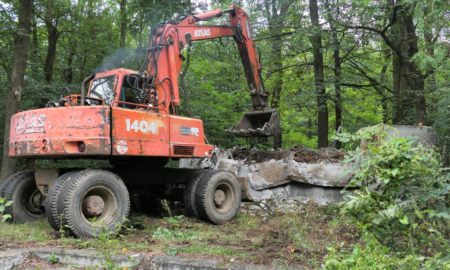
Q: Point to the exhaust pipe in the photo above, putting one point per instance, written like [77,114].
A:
[265,123]
[83,88]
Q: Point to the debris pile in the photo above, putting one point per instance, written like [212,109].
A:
[324,155]
[263,172]
[278,204]
[302,154]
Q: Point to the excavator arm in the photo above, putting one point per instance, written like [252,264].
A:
[165,60]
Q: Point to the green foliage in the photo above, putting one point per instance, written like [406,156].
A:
[3,205]
[176,220]
[404,194]
[53,258]
[375,256]
[172,251]
[88,41]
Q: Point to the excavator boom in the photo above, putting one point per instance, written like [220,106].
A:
[165,60]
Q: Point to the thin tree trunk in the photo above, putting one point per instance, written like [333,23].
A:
[30,163]
[69,70]
[384,100]
[278,85]
[337,89]
[337,76]
[52,40]
[276,16]
[183,83]
[22,41]
[322,109]
[123,31]
[34,56]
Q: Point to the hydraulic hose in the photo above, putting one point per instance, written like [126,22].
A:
[83,88]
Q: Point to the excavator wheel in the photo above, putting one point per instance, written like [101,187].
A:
[92,201]
[25,197]
[218,197]
[189,194]
[5,186]
[51,201]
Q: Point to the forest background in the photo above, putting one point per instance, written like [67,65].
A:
[327,63]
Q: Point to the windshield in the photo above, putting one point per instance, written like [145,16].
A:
[103,88]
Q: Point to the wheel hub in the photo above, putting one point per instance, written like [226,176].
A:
[93,205]
[35,202]
[219,197]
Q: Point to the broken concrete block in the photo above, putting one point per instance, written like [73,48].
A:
[228,165]
[320,195]
[270,174]
[326,175]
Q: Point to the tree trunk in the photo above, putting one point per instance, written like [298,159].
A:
[183,83]
[275,12]
[123,31]
[416,80]
[34,56]
[337,76]
[69,70]
[52,40]
[322,109]
[337,89]
[22,41]
[402,101]
[278,85]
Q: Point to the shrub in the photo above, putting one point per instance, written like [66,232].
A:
[403,195]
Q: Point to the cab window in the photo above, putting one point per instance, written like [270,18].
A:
[103,88]
[127,93]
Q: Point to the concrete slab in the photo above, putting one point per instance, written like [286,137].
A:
[11,258]
[91,258]
[321,174]
[320,195]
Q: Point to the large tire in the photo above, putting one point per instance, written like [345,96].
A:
[20,191]
[85,186]
[5,186]
[8,181]
[51,201]
[218,197]
[189,194]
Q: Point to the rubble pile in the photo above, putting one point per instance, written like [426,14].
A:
[302,154]
[263,172]
[279,204]
[324,155]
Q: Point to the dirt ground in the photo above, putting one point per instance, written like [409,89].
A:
[293,234]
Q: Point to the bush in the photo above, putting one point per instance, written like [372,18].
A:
[377,257]
[403,200]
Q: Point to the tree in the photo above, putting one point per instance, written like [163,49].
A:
[276,14]
[123,31]
[401,13]
[22,41]
[322,106]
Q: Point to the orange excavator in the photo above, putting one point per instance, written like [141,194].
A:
[131,119]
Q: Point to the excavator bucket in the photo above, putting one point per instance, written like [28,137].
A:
[258,124]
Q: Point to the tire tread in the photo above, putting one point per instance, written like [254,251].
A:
[190,194]
[12,187]
[51,201]
[71,185]
[202,200]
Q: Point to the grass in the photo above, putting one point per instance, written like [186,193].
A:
[291,239]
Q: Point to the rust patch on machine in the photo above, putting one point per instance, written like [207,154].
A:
[56,132]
